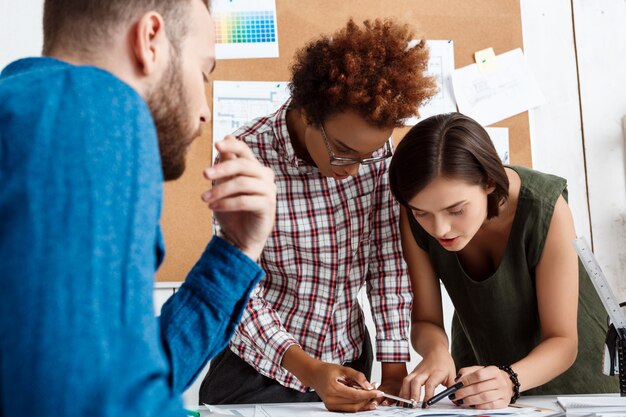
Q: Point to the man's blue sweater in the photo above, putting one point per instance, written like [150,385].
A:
[80,199]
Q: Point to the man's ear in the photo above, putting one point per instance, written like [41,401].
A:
[149,43]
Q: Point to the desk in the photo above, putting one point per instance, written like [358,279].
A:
[549,401]
[318,410]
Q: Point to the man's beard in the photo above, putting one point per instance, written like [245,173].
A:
[170,110]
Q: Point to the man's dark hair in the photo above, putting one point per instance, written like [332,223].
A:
[82,25]
[451,146]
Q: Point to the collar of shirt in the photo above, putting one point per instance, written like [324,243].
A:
[283,141]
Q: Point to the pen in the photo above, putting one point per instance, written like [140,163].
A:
[192,413]
[412,403]
[442,395]
[354,385]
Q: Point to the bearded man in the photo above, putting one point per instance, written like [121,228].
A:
[88,133]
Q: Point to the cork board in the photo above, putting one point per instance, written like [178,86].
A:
[472,25]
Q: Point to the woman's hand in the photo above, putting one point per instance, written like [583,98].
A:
[484,387]
[437,368]
[343,389]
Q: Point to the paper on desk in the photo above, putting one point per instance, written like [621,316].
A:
[440,66]
[602,404]
[496,95]
[319,410]
[227,411]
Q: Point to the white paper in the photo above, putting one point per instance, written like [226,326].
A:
[490,97]
[319,410]
[245,29]
[500,138]
[600,404]
[226,411]
[238,102]
[441,66]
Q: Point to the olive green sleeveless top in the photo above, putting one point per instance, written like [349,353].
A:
[496,321]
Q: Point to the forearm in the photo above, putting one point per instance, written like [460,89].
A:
[301,364]
[546,361]
[389,285]
[391,310]
[428,337]
[393,373]
[198,321]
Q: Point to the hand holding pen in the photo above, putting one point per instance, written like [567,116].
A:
[404,401]
[436,368]
[480,387]
[448,392]
[328,381]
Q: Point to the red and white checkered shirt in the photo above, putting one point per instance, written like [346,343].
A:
[331,237]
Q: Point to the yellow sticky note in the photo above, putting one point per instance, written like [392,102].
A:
[486,60]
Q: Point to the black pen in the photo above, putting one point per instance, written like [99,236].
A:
[442,395]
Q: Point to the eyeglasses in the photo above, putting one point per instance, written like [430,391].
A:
[340,161]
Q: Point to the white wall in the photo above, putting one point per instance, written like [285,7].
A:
[556,135]
[20,29]
[578,133]
[600,27]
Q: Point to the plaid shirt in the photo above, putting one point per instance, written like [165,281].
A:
[331,237]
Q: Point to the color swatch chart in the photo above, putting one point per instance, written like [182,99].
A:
[246,27]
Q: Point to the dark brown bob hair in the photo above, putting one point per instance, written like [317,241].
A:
[448,145]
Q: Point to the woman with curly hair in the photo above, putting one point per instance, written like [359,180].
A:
[302,336]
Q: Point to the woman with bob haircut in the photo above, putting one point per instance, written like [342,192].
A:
[526,318]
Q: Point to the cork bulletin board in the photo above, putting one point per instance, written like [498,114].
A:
[472,25]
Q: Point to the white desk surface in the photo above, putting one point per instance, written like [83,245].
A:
[546,402]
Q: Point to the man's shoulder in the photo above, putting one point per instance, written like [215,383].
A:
[29,87]
[78,111]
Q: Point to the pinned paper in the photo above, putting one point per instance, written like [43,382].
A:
[490,97]
[245,29]
[500,138]
[486,60]
[440,66]
[238,102]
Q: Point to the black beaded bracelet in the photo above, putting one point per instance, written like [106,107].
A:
[514,380]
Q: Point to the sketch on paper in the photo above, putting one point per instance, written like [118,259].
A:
[440,66]
[238,102]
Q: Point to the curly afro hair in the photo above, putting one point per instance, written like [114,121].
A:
[370,70]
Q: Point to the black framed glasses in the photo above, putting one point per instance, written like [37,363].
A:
[340,161]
